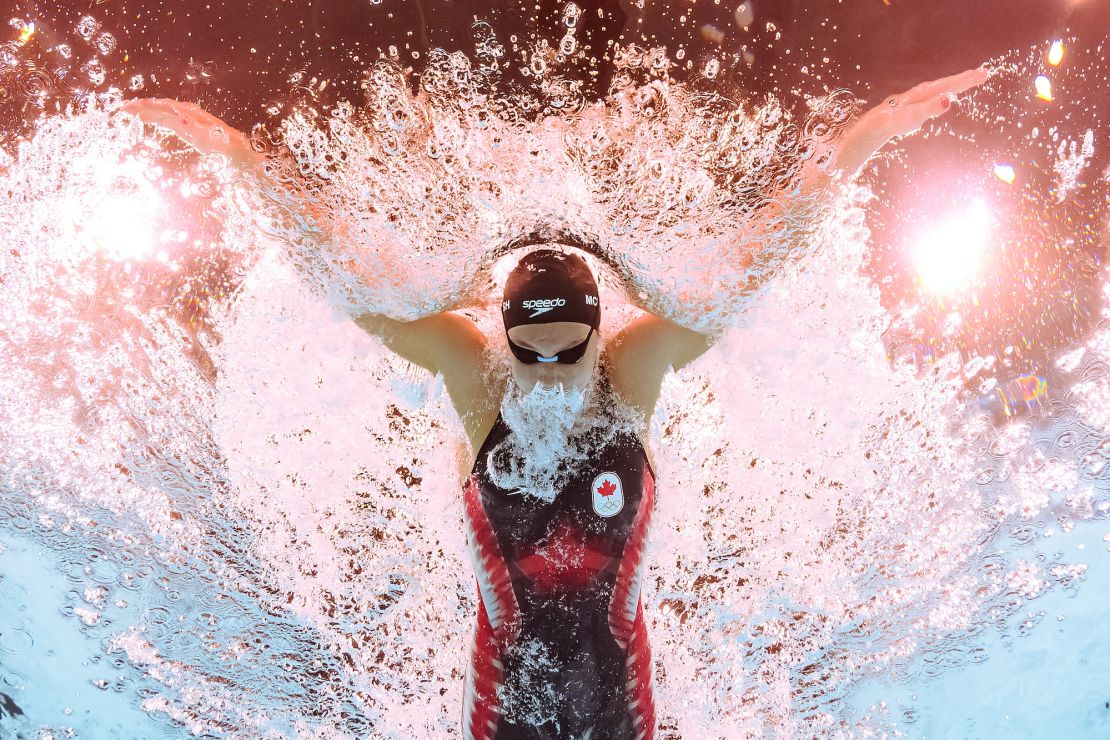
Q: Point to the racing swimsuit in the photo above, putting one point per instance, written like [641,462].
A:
[560,649]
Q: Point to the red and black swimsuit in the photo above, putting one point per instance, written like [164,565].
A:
[560,649]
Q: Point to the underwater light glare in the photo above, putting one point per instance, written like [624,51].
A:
[948,257]
[1043,86]
[123,224]
[123,227]
[1056,53]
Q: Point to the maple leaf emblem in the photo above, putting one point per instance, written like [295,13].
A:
[607,488]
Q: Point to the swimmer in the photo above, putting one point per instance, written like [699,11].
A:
[558,500]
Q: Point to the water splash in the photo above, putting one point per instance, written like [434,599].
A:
[256,505]
[547,433]
[452,173]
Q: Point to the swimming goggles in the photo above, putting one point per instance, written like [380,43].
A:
[568,356]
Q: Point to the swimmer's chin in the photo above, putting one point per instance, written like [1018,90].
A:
[556,400]
[556,392]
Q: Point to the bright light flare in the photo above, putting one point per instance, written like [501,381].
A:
[1044,88]
[1056,53]
[1023,393]
[948,257]
[26,33]
[123,228]
[1005,173]
[118,216]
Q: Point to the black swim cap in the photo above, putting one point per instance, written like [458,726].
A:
[548,286]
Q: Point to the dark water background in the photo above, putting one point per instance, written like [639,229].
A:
[247,48]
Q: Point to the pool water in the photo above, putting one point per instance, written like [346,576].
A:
[226,511]
[1044,674]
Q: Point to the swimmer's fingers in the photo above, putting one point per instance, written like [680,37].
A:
[950,86]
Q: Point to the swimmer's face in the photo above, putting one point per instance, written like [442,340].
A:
[549,340]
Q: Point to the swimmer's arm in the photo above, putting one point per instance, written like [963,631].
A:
[436,342]
[441,343]
[447,343]
[644,351]
[199,129]
[896,116]
[649,346]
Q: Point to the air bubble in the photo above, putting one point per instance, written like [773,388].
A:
[196,72]
[95,72]
[37,82]
[571,14]
[87,27]
[105,44]
[16,640]
[1066,439]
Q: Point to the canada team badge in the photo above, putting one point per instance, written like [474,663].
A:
[608,495]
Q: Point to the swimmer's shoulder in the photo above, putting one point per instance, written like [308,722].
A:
[626,386]
[641,355]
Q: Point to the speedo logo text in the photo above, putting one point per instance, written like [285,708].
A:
[542,306]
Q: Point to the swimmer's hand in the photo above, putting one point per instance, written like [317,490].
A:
[899,115]
[199,129]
